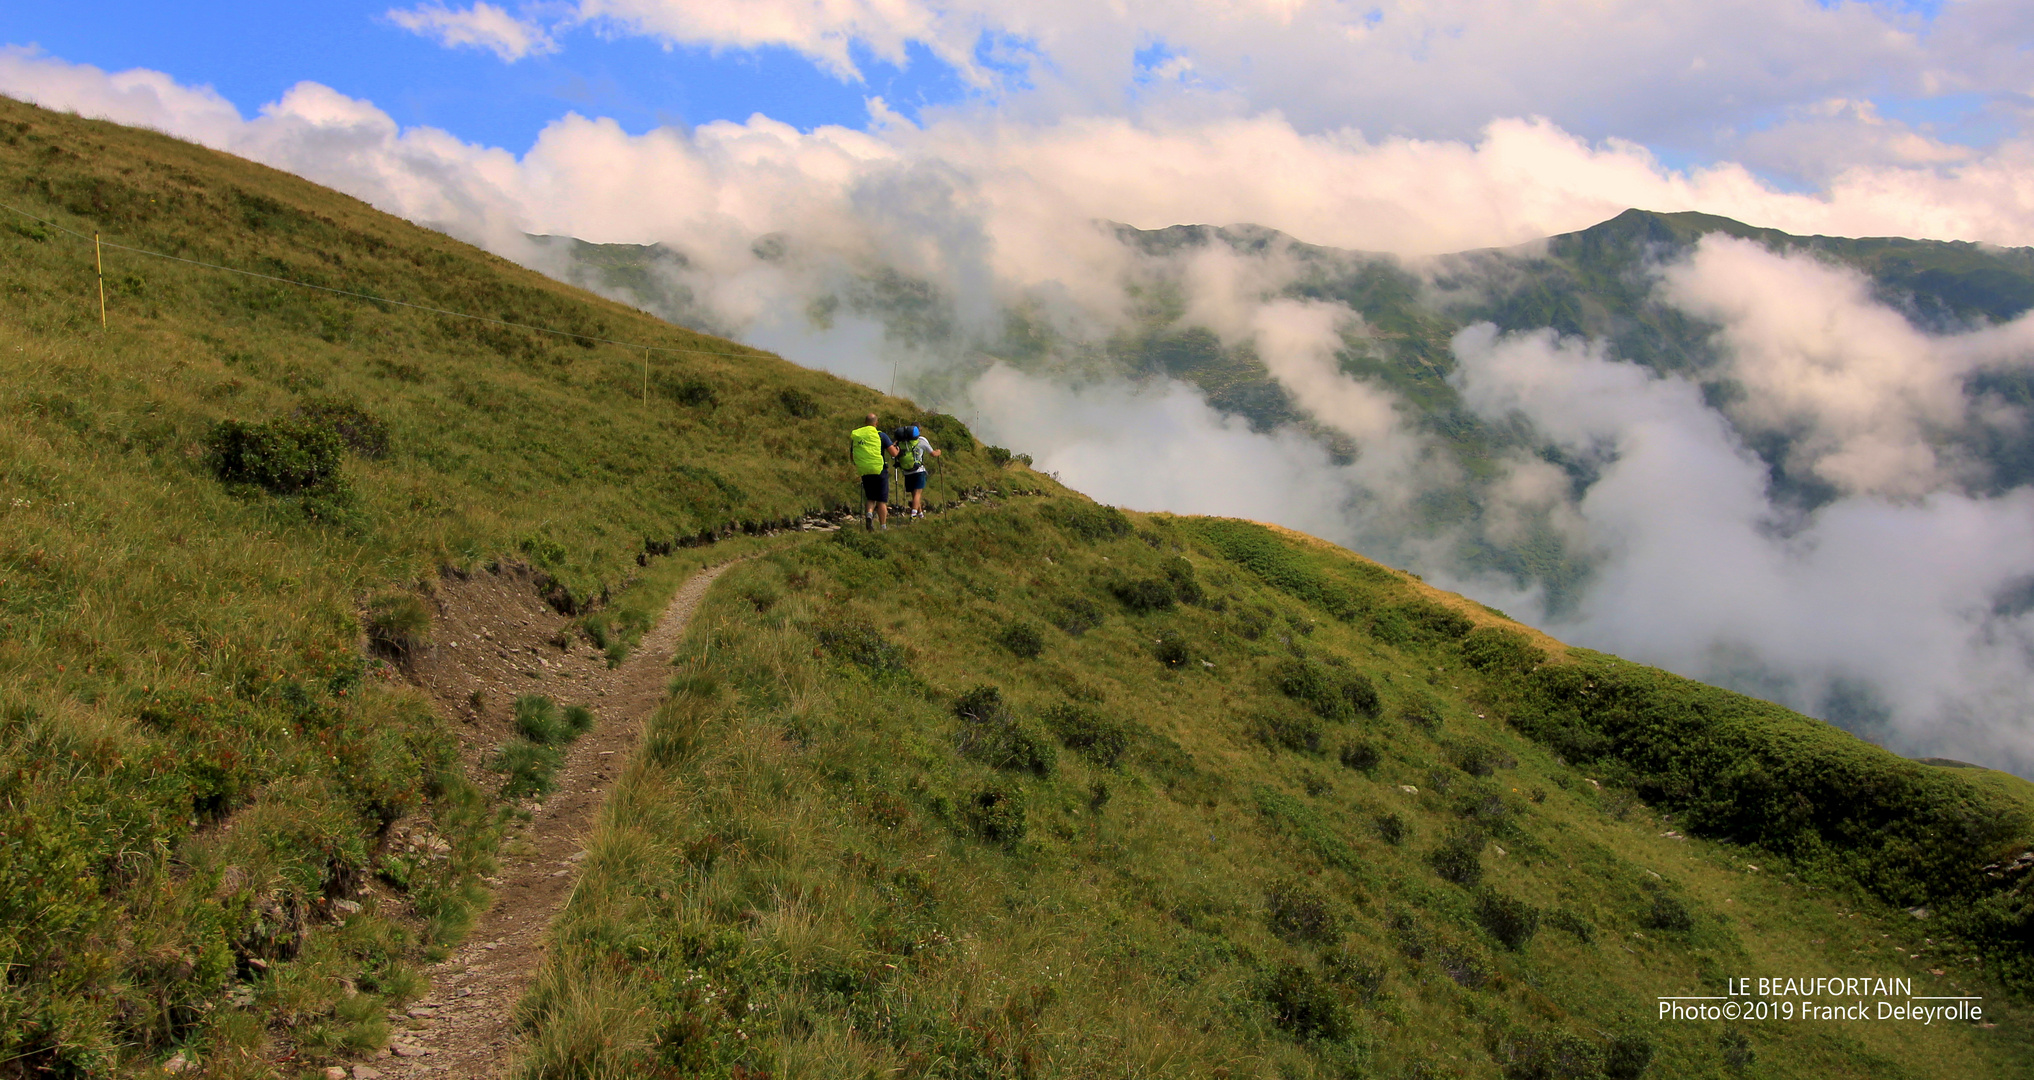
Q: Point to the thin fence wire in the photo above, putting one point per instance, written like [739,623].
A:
[380,299]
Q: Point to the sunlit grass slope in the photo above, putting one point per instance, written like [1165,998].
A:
[1042,789]
[195,756]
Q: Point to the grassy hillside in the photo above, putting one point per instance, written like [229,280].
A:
[196,754]
[1048,790]
[1035,788]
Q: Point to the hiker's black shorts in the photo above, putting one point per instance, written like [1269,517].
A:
[876,487]
[915,481]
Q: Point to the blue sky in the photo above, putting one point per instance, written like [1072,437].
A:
[251,54]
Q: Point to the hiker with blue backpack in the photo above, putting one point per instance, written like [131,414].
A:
[871,448]
[912,455]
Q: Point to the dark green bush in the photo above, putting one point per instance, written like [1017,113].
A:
[1392,829]
[1297,911]
[861,645]
[1737,1050]
[1550,1055]
[361,431]
[1078,615]
[398,623]
[991,735]
[862,542]
[1498,651]
[999,456]
[1356,972]
[1180,574]
[1292,731]
[995,815]
[1092,522]
[1480,758]
[1022,639]
[1667,911]
[1418,622]
[1571,921]
[1510,920]
[1143,597]
[1459,858]
[1331,694]
[1361,756]
[1304,1006]
[1171,649]
[1099,740]
[696,393]
[798,403]
[283,456]
[1628,1056]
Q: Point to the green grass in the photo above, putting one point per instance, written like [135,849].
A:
[815,869]
[220,522]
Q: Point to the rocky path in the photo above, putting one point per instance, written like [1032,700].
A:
[497,640]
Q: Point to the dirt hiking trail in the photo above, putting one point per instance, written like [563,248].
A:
[497,639]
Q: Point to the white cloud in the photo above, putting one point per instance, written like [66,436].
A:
[1646,69]
[1697,576]
[482,26]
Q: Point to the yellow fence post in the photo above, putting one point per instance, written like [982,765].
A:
[99,265]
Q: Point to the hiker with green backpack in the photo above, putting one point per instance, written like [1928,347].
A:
[871,448]
[913,452]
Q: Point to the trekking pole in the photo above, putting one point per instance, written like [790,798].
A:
[99,267]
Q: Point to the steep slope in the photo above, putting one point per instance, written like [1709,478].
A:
[1050,790]
[1031,788]
[199,764]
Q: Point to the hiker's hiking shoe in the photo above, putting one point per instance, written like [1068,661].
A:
[869,520]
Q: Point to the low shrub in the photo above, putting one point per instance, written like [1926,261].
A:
[1297,911]
[1022,639]
[538,719]
[1100,740]
[1667,912]
[861,645]
[531,768]
[1480,758]
[1510,920]
[1361,756]
[283,456]
[1360,974]
[1180,574]
[1143,597]
[1547,1055]
[1078,615]
[862,542]
[1459,858]
[1332,695]
[1628,1056]
[1091,522]
[1497,651]
[397,624]
[359,430]
[1392,829]
[1292,731]
[999,456]
[1571,922]
[1737,1050]
[1304,1006]
[696,393]
[1171,649]
[996,815]
[798,403]
[1418,622]
[991,735]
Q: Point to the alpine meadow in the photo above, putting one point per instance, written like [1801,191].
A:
[1029,787]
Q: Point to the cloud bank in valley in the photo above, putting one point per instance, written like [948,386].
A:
[1698,565]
